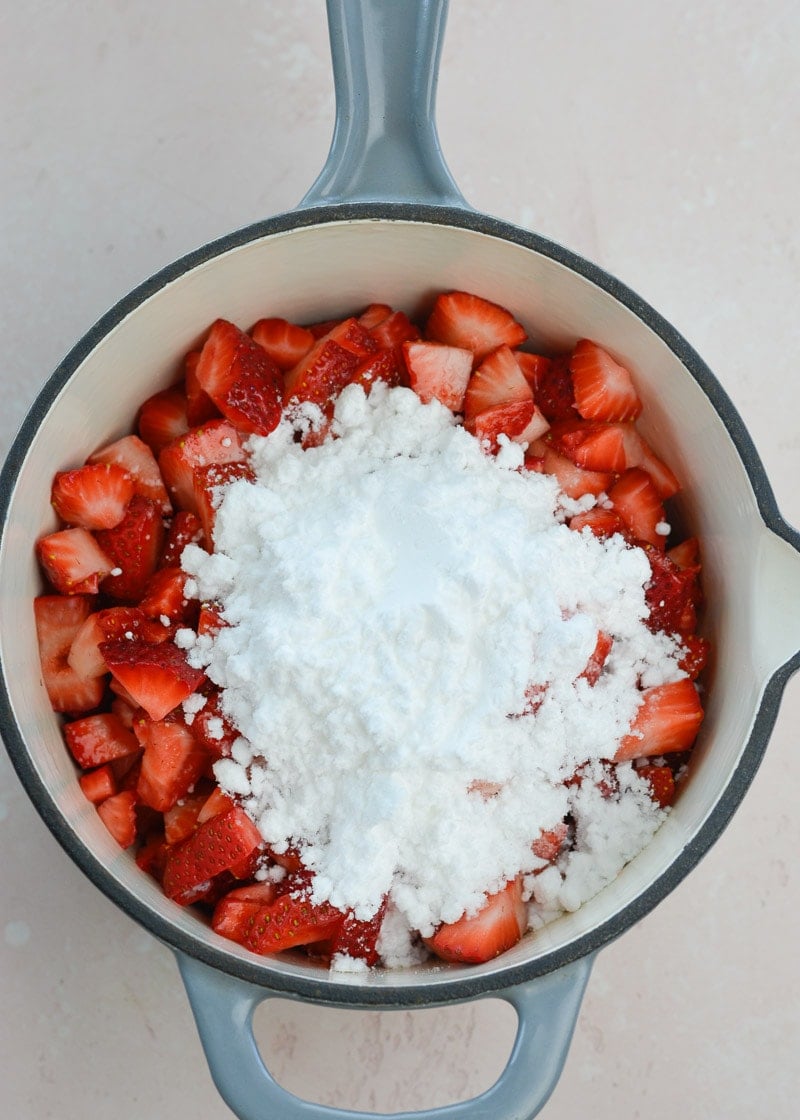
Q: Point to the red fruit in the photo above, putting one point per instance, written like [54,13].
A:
[95,740]
[210,619]
[604,389]
[216,846]
[58,620]
[172,762]
[101,626]
[324,371]
[284,342]
[291,919]
[118,814]
[374,314]
[636,500]
[495,928]
[98,784]
[386,365]
[325,326]
[234,913]
[134,546]
[638,453]
[574,481]
[598,658]
[662,783]
[162,419]
[184,529]
[439,372]
[695,656]
[199,405]
[668,720]
[152,855]
[180,818]
[165,597]
[590,444]
[533,366]
[217,802]
[498,380]
[94,496]
[601,522]
[472,323]
[211,728]
[241,379]
[73,561]
[208,483]
[550,841]
[157,677]
[358,938]
[216,442]
[686,554]
[520,422]
[551,382]
[135,457]
[393,331]
[670,594]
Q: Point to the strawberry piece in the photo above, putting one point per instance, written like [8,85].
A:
[386,365]
[101,626]
[550,841]
[165,597]
[513,420]
[604,389]
[134,546]
[393,331]
[574,481]
[551,382]
[180,818]
[152,855]
[92,497]
[135,457]
[374,314]
[695,656]
[118,814]
[497,926]
[598,658]
[358,938]
[199,405]
[686,554]
[636,500]
[498,380]
[184,529]
[163,419]
[592,445]
[662,783]
[212,729]
[157,677]
[437,371]
[216,442]
[95,740]
[325,326]
[329,365]
[217,802]
[73,561]
[638,453]
[668,720]
[601,522]
[216,846]
[533,367]
[58,620]
[234,914]
[670,594]
[210,619]
[98,784]
[172,762]
[209,482]
[241,379]
[284,342]
[291,919]
[472,323]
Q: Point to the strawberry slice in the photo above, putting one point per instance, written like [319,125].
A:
[134,546]
[58,620]
[234,913]
[156,677]
[92,497]
[662,783]
[695,657]
[604,389]
[95,740]
[374,314]
[217,802]
[165,597]
[208,482]
[118,814]
[162,418]
[472,323]
[358,938]
[241,379]
[386,365]
[135,457]
[686,554]
[199,405]
[330,364]
[601,522]
[284,342]
[636,500]
[184,529]
[212,729]
[670,594]
[215,442]
[668,720]
[98,784]
[101,626]
[517,421]
[638,453]
[392,332]
[73,561]
[495,928]
[498,380]
[551,382]
[216,846]
[439,372]
[291,919]
[550,841]
[574,481]
[180,819]
[172,762]
[591,445]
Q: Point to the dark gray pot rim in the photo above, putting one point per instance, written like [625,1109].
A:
[452,985]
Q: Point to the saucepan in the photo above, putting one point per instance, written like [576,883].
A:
[386,206]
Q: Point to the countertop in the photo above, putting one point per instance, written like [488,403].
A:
[659,140]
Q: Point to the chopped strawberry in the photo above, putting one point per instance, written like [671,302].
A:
[636,500]
[695,656]
[234,914]
[165,597]
[95,740]
[210,619]
[670,594]
[598,658]
[601,522]
[516,421]
[661,781]
[162,419]
[291,919]
[686,554]
[638,453]
[604,389]
[574,481]
[284,342]
[209,482]
[157,677]
[212,729]
[358,938]
[172,762]
[216,442]
[325,326]
[118,814]
[134,456]
[498,380]
[668,720]
[101,626]
[199,405]
[439,372]
[393,331]
[92,497]
[214,847]
[152,855]
[180,818]
[217,802]
[134,546]
[374,314]
[550,841]
[73,561]
[241,379]
[472,323]
[184,529]
[533,367]
[592,445]
[59,618]
[99,784]
[551,382]
[324,371]
[495,928]
[386,365]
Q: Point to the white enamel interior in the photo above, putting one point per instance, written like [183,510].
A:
[319,272]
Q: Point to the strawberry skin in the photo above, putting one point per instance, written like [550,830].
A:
[215,442]
[330,364]
[668,720]
[215,846]
[662,783]
[95,740]
[290,920]
[134,546]
[58,620]
[207,482]
[241,379]
[552,386]
[636,500]
[118,814]
[157,677]
[101,626]
[284,342]
[73,561]
[512,420]
[234,913]
[172,762]
[670,593]
[498,926]
[498,380]
[358,938]
[94,496]
[135,457]
[438,372]
[162,419]
[472,323]
[184,529]
[604,389]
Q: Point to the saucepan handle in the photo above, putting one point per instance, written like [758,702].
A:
[547,1009]
[385,147]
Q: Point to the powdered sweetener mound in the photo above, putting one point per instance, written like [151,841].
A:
[394,599]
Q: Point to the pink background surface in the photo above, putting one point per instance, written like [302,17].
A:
[657,140]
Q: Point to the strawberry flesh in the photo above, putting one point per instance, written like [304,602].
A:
[241,379]
[497,926]
[472,323]
[58,620]
[134,546]
[157,677]
[216,846]
[668,720]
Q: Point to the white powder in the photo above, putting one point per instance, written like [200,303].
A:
[389,597]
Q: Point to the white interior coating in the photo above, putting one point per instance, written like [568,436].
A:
[321,272]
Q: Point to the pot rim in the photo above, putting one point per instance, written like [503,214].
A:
[447,986]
